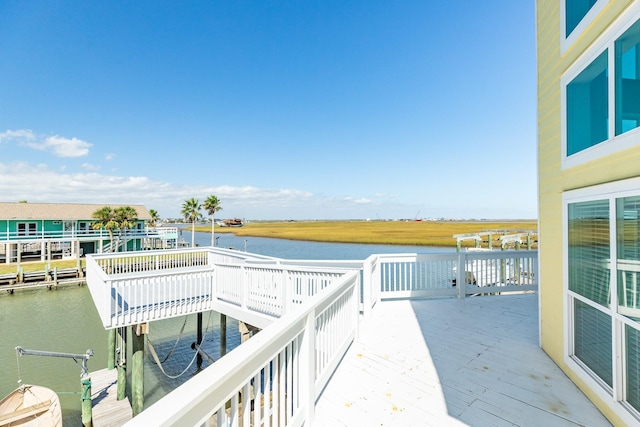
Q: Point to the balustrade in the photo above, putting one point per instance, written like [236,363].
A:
[275,377]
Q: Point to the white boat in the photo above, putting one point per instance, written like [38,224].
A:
[31,405]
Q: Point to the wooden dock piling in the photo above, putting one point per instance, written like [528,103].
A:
[137,367]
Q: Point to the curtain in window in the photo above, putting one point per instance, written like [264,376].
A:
[633,367]
[589,252]
[592,337]
[628,254]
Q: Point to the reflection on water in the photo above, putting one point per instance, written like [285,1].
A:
[66,321]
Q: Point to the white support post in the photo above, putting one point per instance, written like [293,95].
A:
[366,288]
[461,275]
[356,314]
[244,289]
[287,292]
[308,368]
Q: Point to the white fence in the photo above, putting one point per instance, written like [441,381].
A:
[275,377]
[308,311]
[138,287]
[433,275]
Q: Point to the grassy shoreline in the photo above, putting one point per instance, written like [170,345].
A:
[413,233]
[418,233]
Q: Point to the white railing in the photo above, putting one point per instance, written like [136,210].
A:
[275,377]
[308,311]
[435,275]
[393,276]
[170,233]
[137,287]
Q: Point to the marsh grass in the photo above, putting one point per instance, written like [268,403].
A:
[419,233]
[414,233]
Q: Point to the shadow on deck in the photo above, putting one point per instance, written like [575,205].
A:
[467,362]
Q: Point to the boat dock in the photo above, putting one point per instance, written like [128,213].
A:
[107,410]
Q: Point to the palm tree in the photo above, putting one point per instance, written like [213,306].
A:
[212,205]
[127,217]
[106,218]
[191,212]
[115,219]
[155,217]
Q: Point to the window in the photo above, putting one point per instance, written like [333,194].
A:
[592,335]
[84,227]
[27,228]
[628,79]
[576,16]
[601,94]
[588,106]
[589,250]
[628,256]
[602,288]
[575,10]
[633,366]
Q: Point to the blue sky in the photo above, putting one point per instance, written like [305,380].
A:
[282,109]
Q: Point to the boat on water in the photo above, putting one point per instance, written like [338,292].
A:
[31,405]
[235,222]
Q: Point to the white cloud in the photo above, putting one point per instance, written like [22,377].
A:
[90,167]
[362,201]
[63,147]
[58,145]
[40,183]
[109,156]
[17,135]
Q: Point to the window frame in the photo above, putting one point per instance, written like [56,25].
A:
[614,143]
[27,226]
[567,41]
[614,397]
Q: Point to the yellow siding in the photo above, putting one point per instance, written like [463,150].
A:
[553,181]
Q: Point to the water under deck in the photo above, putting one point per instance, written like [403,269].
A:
[473,361]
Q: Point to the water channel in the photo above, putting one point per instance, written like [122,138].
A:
[65,320]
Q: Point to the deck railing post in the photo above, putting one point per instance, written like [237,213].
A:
[308,369]
[366,287]
[461,275]
[287,283]
[244,288]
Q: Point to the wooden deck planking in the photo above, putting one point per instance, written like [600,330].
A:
[474,362]
[108,411]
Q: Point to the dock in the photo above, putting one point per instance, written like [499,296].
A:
[106,408]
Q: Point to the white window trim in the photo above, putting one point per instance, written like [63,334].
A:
[27,233]
[566,42]
[612,397]
[614,143]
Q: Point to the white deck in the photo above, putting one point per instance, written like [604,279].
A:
[472,361]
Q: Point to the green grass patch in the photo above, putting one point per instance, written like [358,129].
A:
[40,265]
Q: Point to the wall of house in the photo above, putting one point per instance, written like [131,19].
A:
[49,225]
[553,180]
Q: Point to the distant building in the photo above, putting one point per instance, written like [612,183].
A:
[589,197]
[60,230]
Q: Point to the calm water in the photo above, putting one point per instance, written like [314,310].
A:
[66,321]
